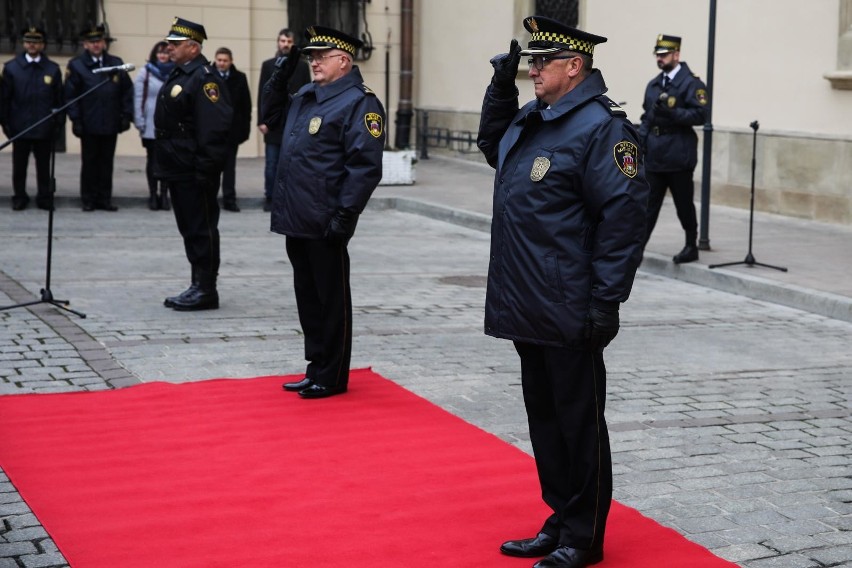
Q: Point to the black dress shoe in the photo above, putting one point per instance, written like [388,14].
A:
[688,254]
[231,206]
[567,557]
[298,385]
[172,300]
[198,299]
[320,391]
[106,207]
[88,207]
[20,203]
[540,545]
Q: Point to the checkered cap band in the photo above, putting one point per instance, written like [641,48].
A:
[666,44]
[337,42]
[580,45]
[187,32]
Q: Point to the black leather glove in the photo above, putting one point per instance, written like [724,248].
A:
[77,128]
[601,325]
[285,66]
[125,124]
[341,227]
[506,67]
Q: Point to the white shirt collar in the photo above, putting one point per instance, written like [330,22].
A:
[674,71]
[31,59]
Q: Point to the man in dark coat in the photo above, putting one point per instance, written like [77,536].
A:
[331,161]
[566,239]
[192,122]
[98,118]
[31,90]
[272,132]
[238,89]
[675,102]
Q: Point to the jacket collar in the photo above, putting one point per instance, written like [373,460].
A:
[325,92]
[192,65]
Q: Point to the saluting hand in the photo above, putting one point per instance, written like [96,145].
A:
[506,65]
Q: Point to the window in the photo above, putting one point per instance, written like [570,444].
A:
[343,15]
[565,11]
[62,21]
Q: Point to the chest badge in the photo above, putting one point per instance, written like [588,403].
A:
[48,79]
[671,101]
[626,156]
[539,168]
[176,90]
[314,125]
[211,91]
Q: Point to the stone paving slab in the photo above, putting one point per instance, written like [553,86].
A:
[730,416]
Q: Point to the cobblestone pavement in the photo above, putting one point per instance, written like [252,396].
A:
[729,416]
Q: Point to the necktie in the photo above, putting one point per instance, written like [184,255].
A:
[666,82]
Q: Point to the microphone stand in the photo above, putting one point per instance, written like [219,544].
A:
[46,293]
[749,259]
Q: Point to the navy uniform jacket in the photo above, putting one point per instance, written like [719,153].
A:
[105,110]
[568,224]
[238,90]
[30,92]
[667,136]
[331,154]
[192,123]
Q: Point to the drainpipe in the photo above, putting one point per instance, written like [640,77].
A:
[404,111]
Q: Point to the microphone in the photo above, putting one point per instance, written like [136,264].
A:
[125,67]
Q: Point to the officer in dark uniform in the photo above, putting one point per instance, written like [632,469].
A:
[675,101]
[99,117]
[330,163]
[31,89]
[568,230]
[192,121]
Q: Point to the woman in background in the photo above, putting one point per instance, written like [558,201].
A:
[146,87]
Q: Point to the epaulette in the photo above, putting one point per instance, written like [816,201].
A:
[367,89]
[612,106]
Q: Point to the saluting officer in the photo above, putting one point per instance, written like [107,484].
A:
[330,163]
[99,117]
[192,121]
[32,88]
[675,101]
[566,239]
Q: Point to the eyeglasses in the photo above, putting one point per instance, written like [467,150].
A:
[539,61]
[321,58]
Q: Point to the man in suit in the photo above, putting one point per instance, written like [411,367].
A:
[237,86]
[272,132]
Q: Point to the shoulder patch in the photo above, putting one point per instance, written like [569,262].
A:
[211,90]
[367,89]
[374,123]
[626,156]
[612,106]
[701,95]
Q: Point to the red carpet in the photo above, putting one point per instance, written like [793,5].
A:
[233,473]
